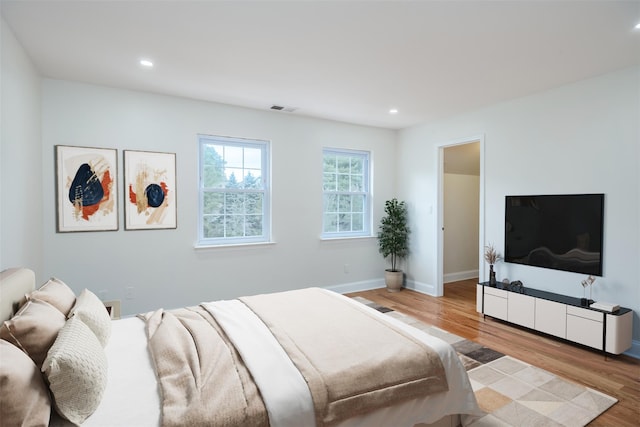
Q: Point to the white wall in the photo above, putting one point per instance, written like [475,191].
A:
[20,154]
[579,138]
[461,226]
[162,265]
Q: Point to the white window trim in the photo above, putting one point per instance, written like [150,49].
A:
[368,220]
[265,238]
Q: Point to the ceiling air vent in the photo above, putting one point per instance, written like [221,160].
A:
[282,108]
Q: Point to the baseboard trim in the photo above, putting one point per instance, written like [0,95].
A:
[634,351]
[364,285]
[367,285]
[460,275]
[423,288]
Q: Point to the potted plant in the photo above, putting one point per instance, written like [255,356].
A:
[393,240]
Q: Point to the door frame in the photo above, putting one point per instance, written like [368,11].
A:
[440,215]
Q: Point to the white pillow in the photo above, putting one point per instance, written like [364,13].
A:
[93,313]
[76,368]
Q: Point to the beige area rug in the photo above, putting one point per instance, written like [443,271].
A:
[514,393]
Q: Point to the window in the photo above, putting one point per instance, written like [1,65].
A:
[346,198]
[234,191]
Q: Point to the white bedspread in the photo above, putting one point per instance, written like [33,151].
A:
[132,395]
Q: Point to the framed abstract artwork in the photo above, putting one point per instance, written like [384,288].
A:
[150,190]
[86,189]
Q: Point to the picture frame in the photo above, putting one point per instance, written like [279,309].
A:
[149,190]
[86,189]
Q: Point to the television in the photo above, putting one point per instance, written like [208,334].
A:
[562,232]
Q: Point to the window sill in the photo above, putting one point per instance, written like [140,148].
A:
[233,245]
[336,239]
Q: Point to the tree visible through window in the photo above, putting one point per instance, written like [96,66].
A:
[234,195]
[345,193]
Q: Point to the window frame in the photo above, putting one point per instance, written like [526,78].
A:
[226,141]
[366,192]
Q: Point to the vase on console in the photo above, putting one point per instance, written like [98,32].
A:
[491,255]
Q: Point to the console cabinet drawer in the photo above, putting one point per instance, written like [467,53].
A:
[583,312]
[585,331]
[496,292]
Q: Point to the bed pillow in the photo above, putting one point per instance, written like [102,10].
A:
[76,369]
[93,313]
[23,393]
[56,293]
[33,329]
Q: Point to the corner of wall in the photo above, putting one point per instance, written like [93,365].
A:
[634,351]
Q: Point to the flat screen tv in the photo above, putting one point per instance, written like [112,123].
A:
[562,232]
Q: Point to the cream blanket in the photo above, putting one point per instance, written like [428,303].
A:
[202,378]
[352,362]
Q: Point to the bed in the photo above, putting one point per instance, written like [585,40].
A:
[167,367]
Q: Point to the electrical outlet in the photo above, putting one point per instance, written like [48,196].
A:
[113,308]
[346,268]
[129,292]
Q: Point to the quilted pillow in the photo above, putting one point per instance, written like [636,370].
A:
[23,393]
[33,329]
[76,368]
[93,313]
[56,293]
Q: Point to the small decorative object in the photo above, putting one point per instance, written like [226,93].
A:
[393,241]
[516,286]
[150,187]
[86,190]
[491,256]
[587,283]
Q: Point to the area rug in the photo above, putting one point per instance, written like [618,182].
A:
[514,393]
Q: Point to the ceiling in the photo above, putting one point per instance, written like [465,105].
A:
[343,60]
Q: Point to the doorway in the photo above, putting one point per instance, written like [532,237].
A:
[461,212]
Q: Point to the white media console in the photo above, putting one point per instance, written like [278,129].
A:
[558,315]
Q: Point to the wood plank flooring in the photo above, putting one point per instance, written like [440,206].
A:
[617,376]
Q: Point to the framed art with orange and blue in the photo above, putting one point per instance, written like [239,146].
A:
[86,189]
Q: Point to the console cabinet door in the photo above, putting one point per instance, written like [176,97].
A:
[585,326]
[521,310]
[551,318]
[495,303]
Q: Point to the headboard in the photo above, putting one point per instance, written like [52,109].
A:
[14,284]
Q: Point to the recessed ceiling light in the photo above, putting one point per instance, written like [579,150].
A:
[146,63]
[637,27]
[393,111]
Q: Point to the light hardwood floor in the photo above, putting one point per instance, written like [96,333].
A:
[617,376]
